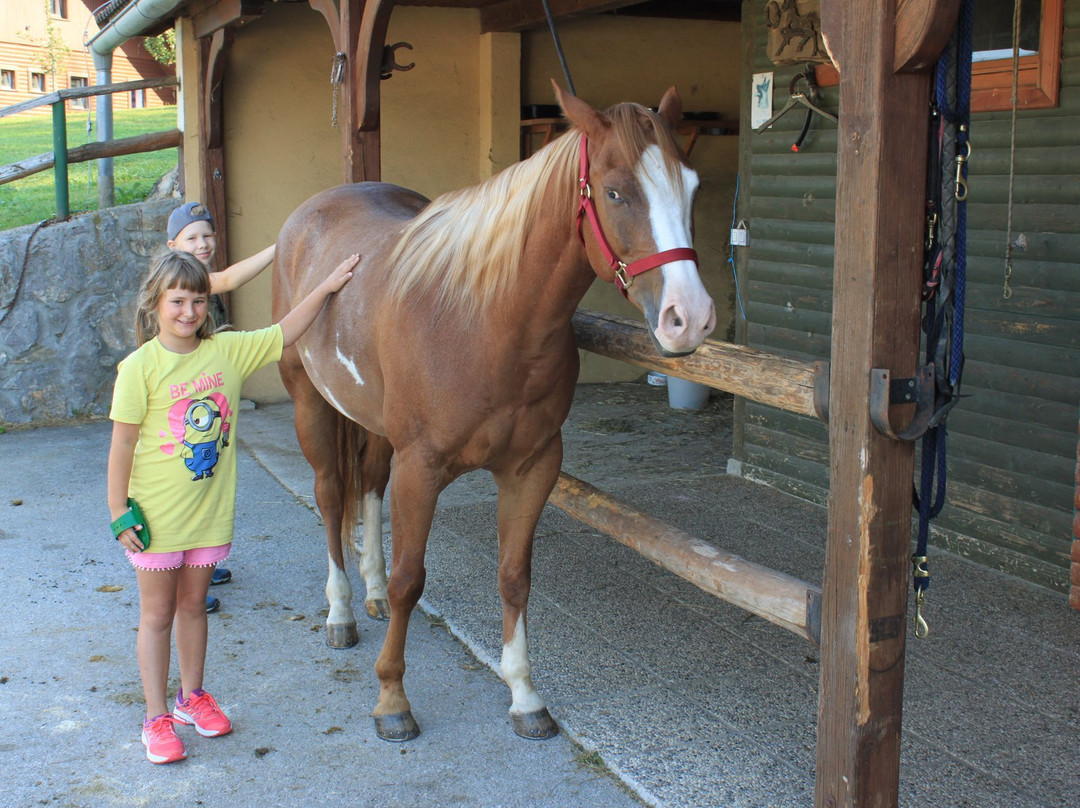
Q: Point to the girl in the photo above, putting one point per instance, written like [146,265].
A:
[174,418]
[191,229]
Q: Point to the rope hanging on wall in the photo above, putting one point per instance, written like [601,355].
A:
[1006,289]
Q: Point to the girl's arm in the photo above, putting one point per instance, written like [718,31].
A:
[296,322]
[121,459]
[241,272]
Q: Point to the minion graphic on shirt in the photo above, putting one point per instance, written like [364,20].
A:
[206,432]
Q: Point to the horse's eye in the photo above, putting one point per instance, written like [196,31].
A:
[614,196]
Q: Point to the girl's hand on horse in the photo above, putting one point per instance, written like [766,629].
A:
[341,274]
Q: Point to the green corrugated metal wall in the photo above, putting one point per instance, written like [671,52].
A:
[1012,442]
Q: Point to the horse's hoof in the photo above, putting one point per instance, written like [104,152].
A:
[536,726]
[341,635]
[378,608]
[398,727]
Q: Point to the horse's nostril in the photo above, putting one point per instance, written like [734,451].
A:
[677,322]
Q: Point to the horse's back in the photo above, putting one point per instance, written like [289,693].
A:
[363,217]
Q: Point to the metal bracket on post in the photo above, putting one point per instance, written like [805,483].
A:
[918,390]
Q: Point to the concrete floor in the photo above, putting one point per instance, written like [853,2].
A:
[688,701]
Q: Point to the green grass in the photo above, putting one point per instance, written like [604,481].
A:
[33,198]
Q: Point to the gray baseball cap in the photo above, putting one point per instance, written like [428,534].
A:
[185,215]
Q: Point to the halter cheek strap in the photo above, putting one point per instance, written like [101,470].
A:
[624,273]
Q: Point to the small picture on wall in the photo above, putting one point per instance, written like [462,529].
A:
[761,99]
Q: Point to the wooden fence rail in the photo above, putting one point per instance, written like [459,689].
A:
[779,598]
[768,378]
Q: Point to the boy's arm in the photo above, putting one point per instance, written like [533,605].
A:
[241,272]
[296,322]
[121,460]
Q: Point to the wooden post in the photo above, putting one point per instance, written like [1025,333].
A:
[879,237]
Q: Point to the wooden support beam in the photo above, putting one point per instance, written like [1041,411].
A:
[768,378]
[225,14]
[521,15]
[882,141]
[213,53]
[779,598]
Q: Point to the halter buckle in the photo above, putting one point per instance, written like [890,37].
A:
[620,275]
[585,189]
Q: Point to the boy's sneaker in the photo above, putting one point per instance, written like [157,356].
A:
[160,739]
[200,710]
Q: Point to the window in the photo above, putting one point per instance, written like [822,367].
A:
[1040,55]
[79,103]
[37,82]
[7,79]
[1039,68]
[137,99]
[58,8]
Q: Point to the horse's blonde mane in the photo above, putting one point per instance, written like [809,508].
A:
[469,243]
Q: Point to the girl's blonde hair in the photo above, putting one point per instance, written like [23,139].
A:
[171,270]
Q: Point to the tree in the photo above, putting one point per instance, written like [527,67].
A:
[162,47]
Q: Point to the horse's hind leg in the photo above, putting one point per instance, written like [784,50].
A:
[374,474]
[521,500]
[317,428]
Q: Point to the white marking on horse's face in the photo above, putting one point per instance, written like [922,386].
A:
[517,672]
[686,314]
[350,366]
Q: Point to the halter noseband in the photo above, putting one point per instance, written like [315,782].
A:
[624,273]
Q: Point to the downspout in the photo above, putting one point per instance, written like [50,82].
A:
[135,18]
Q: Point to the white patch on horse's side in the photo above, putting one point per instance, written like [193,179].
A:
[350,366]
[339,596]
[372,560]
[517,672]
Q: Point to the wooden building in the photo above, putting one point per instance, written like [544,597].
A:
[39,35]
[1011,453]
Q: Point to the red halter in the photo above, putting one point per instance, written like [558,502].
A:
[624,274]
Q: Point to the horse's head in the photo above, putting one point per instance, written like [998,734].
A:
[637,191]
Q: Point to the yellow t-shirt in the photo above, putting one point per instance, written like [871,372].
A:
[184,475]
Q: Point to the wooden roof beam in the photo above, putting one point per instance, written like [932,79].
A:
[521,15]
[211,17]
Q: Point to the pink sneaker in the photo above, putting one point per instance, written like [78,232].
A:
[200,710]
[160,739]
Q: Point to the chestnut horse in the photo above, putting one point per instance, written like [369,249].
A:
[451,349]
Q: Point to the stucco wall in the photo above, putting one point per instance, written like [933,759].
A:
[447,123]
[67,308]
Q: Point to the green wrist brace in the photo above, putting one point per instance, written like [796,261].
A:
[132,519]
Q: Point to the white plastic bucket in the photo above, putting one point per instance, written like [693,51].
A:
[686,395]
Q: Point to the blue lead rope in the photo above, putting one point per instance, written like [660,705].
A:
[945,298]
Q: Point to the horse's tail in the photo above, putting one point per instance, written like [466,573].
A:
[351,439]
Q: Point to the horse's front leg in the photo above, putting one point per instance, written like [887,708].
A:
[522,496]
[375,474]
[316,427]
[413,496]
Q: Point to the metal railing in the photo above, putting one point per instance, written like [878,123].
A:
[60,157]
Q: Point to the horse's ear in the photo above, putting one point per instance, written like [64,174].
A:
[670,108]
[591,122]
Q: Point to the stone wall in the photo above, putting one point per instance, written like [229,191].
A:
[67,308]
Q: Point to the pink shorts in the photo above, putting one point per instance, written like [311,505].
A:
[199,557]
